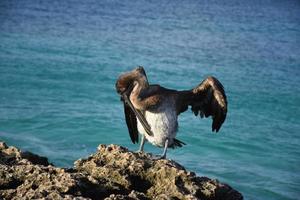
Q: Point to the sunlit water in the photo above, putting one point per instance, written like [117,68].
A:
[59,61]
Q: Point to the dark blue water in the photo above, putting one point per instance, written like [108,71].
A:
[59,61]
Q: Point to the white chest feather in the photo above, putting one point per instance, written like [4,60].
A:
[163,125]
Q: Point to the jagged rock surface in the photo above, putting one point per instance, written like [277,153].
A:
[112,173]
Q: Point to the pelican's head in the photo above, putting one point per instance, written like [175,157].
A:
[129,79]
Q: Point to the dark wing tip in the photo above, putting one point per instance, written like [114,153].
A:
[218,120]
[133,140]
[131,123]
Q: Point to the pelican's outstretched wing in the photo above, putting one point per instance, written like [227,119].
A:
[207,99]
[131,124]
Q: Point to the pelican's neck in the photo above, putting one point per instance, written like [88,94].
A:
[139,85]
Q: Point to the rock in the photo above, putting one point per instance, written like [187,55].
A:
[12,155]
[112,173]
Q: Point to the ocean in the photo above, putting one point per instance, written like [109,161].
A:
[59,61]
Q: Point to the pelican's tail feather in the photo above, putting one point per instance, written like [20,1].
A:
[177,143]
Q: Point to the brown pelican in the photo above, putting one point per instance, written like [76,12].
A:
[152,110]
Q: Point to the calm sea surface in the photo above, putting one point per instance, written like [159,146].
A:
[59,61]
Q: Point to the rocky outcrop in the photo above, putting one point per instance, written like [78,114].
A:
[112,173]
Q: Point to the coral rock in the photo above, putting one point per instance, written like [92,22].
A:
[112,173]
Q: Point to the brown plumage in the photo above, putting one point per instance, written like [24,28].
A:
[156,108]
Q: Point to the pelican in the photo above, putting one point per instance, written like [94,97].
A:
[152,110]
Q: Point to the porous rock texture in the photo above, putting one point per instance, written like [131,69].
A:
[112,173]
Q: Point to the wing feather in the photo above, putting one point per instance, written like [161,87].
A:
[131,122]
[207,99]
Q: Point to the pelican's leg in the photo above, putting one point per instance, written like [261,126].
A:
[142,143]
[163,156]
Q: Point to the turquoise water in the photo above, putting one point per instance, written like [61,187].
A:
[59,61]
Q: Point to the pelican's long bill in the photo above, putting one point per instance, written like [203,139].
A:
[138,113]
